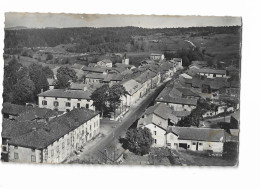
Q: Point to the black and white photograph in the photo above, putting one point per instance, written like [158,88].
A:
[121,90]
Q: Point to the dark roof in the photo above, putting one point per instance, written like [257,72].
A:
[170,99]
[181,113]
[14,109]
[64,93]
[161,110]
[38,113]
[41,137]
[187,92]
[94,69]
[95,75]
[199,134]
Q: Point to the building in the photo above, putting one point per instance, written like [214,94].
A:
[157,57]
[51,142]
[65,99]
[177,62]
[157,118]
[134,91]
[176,100]
[195,139]
[212,73]
[105,63]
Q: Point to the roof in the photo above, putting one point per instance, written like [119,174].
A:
[95,75]
[187,92]
[43,135]
[106,61]
[64,93]
[77,66]
[132,86]
[181,113]
[186,76]
[94,69]
[185,101]
[113,77]
[236,115]
[161,110]
[155,54]
[77,86]
[143,77]
[14,109]
[211,71]
[199,134]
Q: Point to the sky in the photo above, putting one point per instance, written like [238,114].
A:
[62,20]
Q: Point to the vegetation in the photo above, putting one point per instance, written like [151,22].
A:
[107,98]
[20,81]
[64,76]
[138,141]
[196,115]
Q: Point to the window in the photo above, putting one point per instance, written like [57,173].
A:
[90,128]
[79,99]
[58,149]
[214,75]
[87,105]
[52,153]
[33,158]
[154,132]
[33,150]
[68,141]
[56,98]
[200,144]
[55,103]
[69,98]
[16,156]
[44,97]
[155,141]
[194,143]
[68,104]
[16,147]
[155,126]
[67,110]
[63,145]
[78,105]
[44,102]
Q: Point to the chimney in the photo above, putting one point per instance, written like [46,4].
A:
[41,90]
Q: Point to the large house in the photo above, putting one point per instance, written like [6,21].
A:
[134,91]
[195,139]
[157,118]
[212,73]
[176,99]
[65,99]
[51,142]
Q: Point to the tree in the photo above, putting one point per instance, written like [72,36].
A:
[64,76]
[114,94]
[138,140]
[23,91]
[99,97]
[49,57]
[48,72]
[37,76]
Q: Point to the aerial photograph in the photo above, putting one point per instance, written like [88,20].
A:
[121,90]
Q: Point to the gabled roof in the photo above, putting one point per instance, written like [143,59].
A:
[187,92]
[236,115]
[77,86]
[95,76]
[43,135]
[64,93]
[132,86]
[184,101]
[181,113]
[106,61]
[162,110]
[94,69]
[199,134]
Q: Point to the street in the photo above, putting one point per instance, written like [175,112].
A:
[120,129]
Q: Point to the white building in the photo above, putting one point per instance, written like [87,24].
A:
[65,100]
[54,141]
[155,56]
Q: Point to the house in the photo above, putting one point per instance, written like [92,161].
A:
[65,99]
[105,63]
[12,111]
[157,57]
[181,114]
[234,123]
[94,78]
[195,139]
[198,64]
[112,79]
[173,98]
[212,73]
[134,91]
[157,118]
[51,142]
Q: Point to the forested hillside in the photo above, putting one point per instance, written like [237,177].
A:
[123,39]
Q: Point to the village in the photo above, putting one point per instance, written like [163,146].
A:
[191,113]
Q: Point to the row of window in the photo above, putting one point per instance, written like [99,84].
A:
[68,104]
[56,98]
[33,157]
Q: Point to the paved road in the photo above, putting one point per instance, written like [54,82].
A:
[131,116]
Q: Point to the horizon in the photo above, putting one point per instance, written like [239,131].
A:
[62,20]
